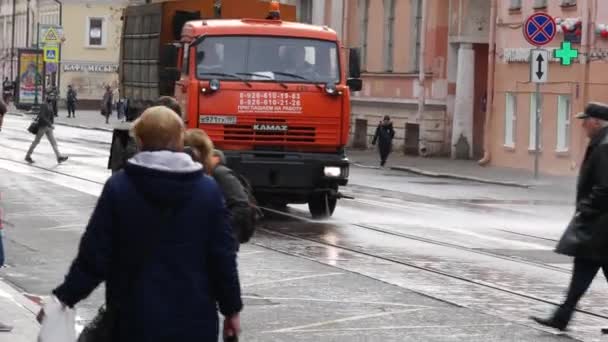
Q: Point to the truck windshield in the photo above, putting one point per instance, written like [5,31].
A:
[268,59]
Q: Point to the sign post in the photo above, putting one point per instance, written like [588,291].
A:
[49,38]
[539,30]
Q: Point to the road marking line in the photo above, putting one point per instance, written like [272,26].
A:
[66,227]
[338,301]
[404,327]
[294,278]
[342,320]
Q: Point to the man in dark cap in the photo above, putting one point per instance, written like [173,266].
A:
[586,238]
[384,136]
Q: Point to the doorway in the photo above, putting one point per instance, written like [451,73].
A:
[480,106]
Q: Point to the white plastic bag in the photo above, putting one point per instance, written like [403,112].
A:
[58,324]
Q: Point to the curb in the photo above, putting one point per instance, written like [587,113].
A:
[363,166]
[460,177]
[84,127]
[67,124]
[20,298]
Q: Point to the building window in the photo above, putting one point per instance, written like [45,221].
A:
[305,9]
[389,19]
[510,120]
[540,4]
[417,21]
[96,32]
[563,123]
[568,3]
[515,5]
[364,14]
[532,135]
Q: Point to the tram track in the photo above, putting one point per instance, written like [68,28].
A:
[300,215]
[435,271]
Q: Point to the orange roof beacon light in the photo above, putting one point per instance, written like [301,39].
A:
[275,11]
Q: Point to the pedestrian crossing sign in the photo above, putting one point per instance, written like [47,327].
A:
[51,54]
[51,36]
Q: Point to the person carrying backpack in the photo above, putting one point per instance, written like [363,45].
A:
[239,199]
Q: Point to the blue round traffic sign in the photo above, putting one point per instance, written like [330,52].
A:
[539,29]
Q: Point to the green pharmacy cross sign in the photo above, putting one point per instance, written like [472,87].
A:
[566,53]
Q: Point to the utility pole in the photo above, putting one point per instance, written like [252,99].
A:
[27,24]
[13,42]
[38,79]
[59,59]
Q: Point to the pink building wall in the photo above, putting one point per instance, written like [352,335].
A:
[582,82]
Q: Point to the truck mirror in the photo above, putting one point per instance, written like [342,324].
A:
[354,63]
[168,56]
[355,84]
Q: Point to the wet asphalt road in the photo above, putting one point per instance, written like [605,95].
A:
[472,261]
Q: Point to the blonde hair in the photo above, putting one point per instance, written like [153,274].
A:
[200,141]
[158,128]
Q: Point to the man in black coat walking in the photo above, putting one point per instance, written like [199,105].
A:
[384,135]
[586,238]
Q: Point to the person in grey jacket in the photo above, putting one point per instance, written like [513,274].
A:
[46,119]
[586,237]
[237,199]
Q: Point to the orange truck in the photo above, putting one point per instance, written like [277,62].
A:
[273,95]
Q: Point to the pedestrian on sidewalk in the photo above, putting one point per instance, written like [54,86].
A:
[71,98]
[384,136]
[46,120]
[237,200]
[586,238]
[159,237]
[7,90]
[106,103]
[3,110]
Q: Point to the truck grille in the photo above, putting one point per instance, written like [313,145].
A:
[246,133]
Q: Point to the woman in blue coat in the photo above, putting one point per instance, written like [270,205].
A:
[160,239]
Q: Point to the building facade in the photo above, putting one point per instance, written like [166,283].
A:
[90,53]
[562,140]
[455,76]
[25,15]
[420,66]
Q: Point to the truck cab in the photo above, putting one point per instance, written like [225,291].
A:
[274,96]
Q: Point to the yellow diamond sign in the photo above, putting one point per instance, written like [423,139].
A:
[51,36]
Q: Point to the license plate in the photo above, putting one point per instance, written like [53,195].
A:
[217,120]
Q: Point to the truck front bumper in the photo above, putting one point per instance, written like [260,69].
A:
[292,176]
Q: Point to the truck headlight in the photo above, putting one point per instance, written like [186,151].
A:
[214,84]
[332,171]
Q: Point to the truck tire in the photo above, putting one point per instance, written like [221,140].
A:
[321,205]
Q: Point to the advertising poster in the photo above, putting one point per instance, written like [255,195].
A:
[29,76]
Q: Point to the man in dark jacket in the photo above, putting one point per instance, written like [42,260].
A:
[70,100]
[46,119]
[384,135]
[586,238]
[106,103]
[160,239]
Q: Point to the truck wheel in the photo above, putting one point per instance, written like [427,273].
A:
[321,205]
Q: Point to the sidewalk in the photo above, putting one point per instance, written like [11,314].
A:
[460,169]
[432,167]
[87,119]
[18,311]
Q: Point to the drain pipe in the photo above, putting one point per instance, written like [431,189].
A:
[421,75]
[490,87]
